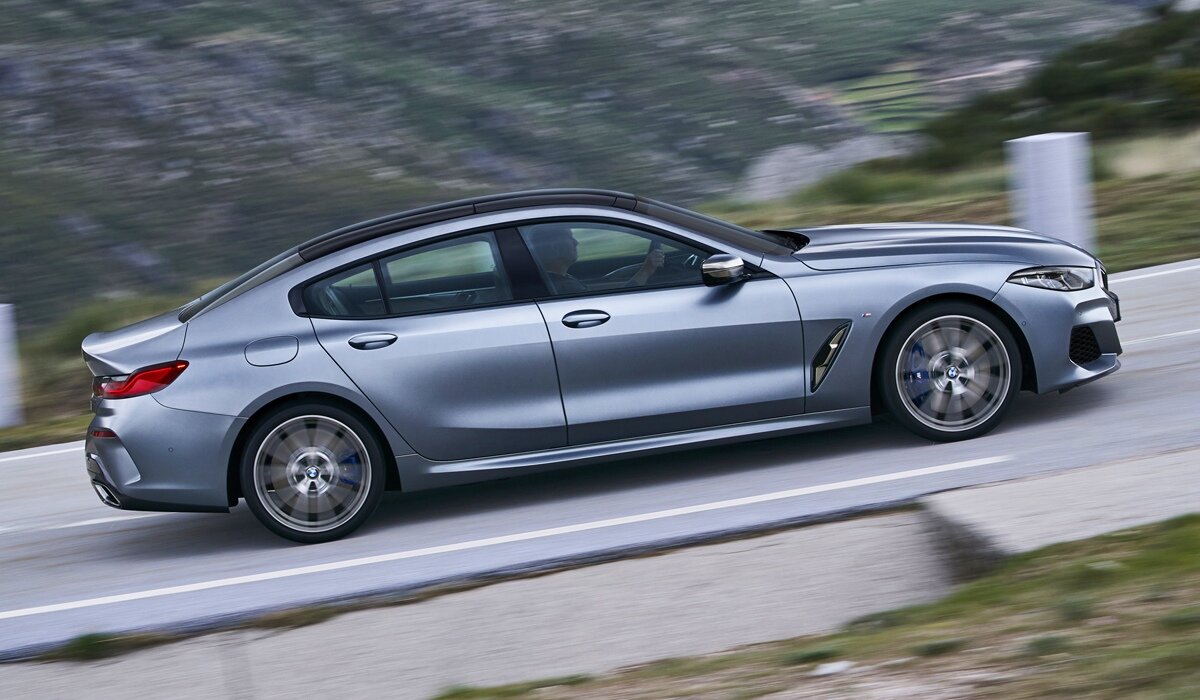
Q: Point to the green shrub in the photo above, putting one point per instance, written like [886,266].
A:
[811,654]
[1076,608]
[938,647]
[1047,644]
[1183,618]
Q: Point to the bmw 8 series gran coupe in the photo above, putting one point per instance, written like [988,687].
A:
[523,332]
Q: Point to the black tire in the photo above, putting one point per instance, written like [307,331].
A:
[962,384]
[312,472]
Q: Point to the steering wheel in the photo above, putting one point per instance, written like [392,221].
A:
[626,272]
[623,273]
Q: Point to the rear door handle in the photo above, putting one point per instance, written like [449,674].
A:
[372,341]
[584,319]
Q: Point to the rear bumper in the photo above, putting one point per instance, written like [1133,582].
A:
[162,459]
[113,497]
[1053,322]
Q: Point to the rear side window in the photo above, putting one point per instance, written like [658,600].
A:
[453,274]
[352,293]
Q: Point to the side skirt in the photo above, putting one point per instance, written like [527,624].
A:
[418,473]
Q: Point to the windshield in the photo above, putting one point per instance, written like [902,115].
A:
[766,242]
[287,260]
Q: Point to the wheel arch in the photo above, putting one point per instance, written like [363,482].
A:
[1028,370]
[270,405]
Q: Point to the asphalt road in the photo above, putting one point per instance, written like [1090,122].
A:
[71,566]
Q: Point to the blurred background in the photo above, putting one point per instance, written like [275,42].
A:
[151,149]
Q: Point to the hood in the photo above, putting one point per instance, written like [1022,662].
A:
[881,245]
[150,342]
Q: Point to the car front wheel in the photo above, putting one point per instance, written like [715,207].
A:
[950,371]
[312,472]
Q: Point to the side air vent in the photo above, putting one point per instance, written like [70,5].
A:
[1084,346]
[827,354]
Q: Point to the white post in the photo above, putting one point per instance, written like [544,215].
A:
[10,371]
[1051,186]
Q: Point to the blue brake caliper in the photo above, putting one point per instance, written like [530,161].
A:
[351,459]
[917,376]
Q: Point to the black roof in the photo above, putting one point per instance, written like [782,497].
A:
[357,233]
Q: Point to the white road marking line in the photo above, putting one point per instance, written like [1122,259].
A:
[1148,275]
[48,453]
[492,541]
[1162,337]
[82,523]
[100,521]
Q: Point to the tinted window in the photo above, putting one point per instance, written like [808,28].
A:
[457,273]
[352,293]
[580,257]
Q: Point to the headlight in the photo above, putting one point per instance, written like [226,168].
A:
[1063,279]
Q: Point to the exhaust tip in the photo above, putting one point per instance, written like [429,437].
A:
[107,496]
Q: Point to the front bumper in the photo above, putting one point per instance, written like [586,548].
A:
[1052,320]
[162,459]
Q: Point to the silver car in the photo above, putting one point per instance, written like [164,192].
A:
[518,333]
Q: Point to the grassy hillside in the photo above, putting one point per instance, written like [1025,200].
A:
[147,144]
[1144,79]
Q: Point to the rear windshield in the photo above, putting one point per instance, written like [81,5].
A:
[285,261]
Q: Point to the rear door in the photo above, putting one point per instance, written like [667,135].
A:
[435,339]
[642,354]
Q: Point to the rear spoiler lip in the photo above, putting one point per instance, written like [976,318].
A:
[125,350]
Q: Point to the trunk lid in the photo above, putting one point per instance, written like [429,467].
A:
[153,341]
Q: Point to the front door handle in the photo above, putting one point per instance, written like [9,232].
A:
[372,341]
[584,319]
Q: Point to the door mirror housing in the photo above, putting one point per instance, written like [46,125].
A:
[722,269]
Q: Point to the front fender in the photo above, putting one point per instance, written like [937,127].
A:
[872,300]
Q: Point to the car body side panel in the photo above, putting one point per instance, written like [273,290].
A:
[678,359]
[871,300]
[221,380]
[422,473]
[459,384]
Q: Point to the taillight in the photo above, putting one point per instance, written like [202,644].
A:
[146,380]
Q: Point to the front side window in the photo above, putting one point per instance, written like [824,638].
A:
[457,273]
[582,257]
[352,293]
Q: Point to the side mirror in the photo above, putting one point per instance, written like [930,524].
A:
[722,269]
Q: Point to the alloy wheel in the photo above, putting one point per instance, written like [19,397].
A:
[312,473]
[953,373]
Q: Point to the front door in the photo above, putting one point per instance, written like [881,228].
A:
[458,368]
[644,348]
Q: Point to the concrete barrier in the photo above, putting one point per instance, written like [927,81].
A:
[10,371]
[1051,186]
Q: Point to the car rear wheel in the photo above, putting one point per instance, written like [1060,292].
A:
[950,371]
[312,472]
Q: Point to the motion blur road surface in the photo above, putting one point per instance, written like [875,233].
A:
[72,566]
